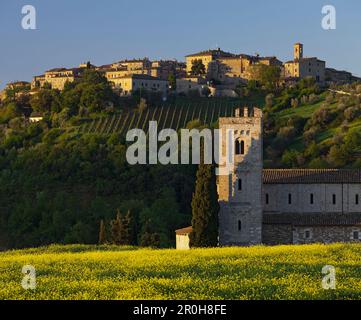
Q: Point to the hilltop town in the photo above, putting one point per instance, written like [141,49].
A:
[210,73]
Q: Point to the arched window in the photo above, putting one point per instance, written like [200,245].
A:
[240,184]
[239,225]
[239,146]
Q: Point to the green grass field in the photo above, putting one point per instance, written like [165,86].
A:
[91,272]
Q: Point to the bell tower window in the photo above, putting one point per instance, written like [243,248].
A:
[239,147]
[239,225]
[239,184]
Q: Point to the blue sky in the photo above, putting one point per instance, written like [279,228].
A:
[69,32]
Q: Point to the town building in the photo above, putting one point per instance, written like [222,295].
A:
[164,68]
[35,117]
[228,68]
[301,67]
[340,77]
[279,206]
[57,78]
[242,68]
[188,84]
[18,87]
[208,58]
[133,64]
[126,85]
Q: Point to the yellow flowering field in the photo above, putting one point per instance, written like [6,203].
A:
[109,272]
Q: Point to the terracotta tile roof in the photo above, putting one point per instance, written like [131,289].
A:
[314,219]
[213,53]
[57,70]
[304,59]
[187,230]
[35,114]
[311,176]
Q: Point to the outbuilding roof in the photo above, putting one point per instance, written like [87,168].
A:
[184,231]
[311,176]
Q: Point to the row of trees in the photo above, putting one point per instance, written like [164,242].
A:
[205,209]
[122,231]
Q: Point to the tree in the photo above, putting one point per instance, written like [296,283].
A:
[268,76]
[172,80]
[128,228]
[269,100]
[198,68]
[102,233]
[142,106]
[321,117]
[116,228]
[46,100]
[205,209]
[149,238]
[122,229]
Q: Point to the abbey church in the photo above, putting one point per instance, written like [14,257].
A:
[272,207]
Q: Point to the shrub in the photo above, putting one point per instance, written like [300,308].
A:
[269,100]
[294,103]
[313,98]
[304,99]
[310,135]
[351,113]
[321,117]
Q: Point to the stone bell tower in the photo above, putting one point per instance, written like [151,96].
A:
[298,51]
[240,191]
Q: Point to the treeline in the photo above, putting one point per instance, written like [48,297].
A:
[56,186]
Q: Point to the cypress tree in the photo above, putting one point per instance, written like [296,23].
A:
[116,228]
[122,229]
[149,238]
[102,233]
[127,227]
[205,209]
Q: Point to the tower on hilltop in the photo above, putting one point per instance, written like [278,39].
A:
[298,51]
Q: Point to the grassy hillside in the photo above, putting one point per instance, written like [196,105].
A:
[90,272]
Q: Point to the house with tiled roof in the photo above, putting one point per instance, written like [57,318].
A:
[228,68]
[126,85]
[208,58]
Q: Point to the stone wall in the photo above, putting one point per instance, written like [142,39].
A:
[287,234]
[324,234]
[277,234]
